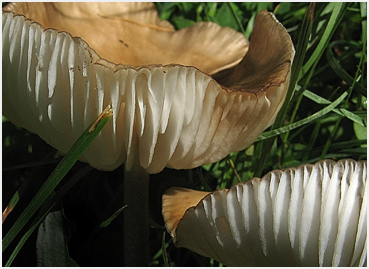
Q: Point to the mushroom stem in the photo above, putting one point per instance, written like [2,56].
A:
[136,220]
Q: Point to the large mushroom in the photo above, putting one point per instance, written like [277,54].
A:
[312,215]
[180,99]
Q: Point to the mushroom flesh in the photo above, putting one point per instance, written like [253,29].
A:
[312,215]
[209,94]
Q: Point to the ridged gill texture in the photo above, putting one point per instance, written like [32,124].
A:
[313,215]
[55,85]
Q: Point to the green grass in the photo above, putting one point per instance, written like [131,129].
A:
[325,118]
[43,199]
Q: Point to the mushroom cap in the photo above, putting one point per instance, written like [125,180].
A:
[167,109]
[132,34]
[312,215]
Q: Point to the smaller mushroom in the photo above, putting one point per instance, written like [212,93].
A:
[312,215]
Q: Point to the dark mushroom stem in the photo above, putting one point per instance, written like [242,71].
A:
[136,217]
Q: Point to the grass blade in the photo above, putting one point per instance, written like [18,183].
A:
[302,122]
[60,171]
[342,112]
[23,241]
[164,251]
[302,44]
[107,222]
[236,17]
[13,202]
[340,71]
[334,20]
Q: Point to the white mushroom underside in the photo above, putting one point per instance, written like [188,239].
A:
[175,116]
[314,215]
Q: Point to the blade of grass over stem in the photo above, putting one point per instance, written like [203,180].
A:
[57,175]
[302,44]
[234,169]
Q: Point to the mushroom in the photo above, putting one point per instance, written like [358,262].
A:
[180,99]
[312,215]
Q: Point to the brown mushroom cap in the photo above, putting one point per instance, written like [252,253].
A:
[132,34]
[172,115]
[312,215]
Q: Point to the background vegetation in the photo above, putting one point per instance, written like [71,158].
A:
[312,129]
